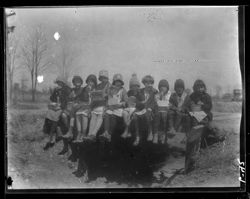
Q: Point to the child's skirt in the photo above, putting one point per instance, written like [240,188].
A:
[98,110]
[117,112]
[129,110]
[84,110]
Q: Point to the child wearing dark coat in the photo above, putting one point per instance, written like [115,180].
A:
[199,107]
[56,109]
[178,115]
[162,111]
[199,102]
[145,107]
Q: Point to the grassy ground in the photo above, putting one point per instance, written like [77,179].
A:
[31,167]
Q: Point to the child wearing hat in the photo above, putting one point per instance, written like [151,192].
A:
[83,112]
[73,104]
[178,113]
[133,97]
[98,103]
[56,109]
[117,99]
[162,111]
[145,107]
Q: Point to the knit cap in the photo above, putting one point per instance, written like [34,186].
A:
[134,81]
[103,73]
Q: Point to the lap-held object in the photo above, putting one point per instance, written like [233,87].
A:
[53,115]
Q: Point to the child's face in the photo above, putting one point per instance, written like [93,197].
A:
[163,89]
[147,84]
[134,87]
[91,84]
[103,79]
[78,83]
[201,89]
[179,91]
[118,84]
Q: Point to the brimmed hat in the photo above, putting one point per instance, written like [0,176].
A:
[92,78]
[103,73]
[148,79]
[179,83]
[75,78]
[197,84]
[163,83]
[118,77]
[61,79]
[134,81]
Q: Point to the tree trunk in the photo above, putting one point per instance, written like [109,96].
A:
[32,87]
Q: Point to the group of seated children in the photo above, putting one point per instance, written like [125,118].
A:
[163,112]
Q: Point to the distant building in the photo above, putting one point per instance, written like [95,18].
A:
[237,95]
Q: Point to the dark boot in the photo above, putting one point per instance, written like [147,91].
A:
[65,147]
[48,145]
[73,156]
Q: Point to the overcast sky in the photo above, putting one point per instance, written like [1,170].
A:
[145,40]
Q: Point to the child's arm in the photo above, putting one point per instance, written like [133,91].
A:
[124,98]
[207,103]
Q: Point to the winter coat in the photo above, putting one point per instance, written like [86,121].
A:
[174,102]
[147,97]
[104,88]
[205,98]
[75,94]
[62,94]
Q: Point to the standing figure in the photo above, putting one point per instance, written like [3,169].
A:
[178,116]
[56,109]
[99,100]
[162,111]
[199,107]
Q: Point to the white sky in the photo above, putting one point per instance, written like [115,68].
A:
[128,40]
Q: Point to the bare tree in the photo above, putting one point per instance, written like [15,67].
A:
[11,52]
[64,60]
[34,54]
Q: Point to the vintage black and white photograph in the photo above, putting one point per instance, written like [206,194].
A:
[123,97]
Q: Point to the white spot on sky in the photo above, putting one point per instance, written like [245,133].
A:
[57,36]
[40,78]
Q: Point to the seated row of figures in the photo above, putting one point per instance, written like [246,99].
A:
[105,102]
